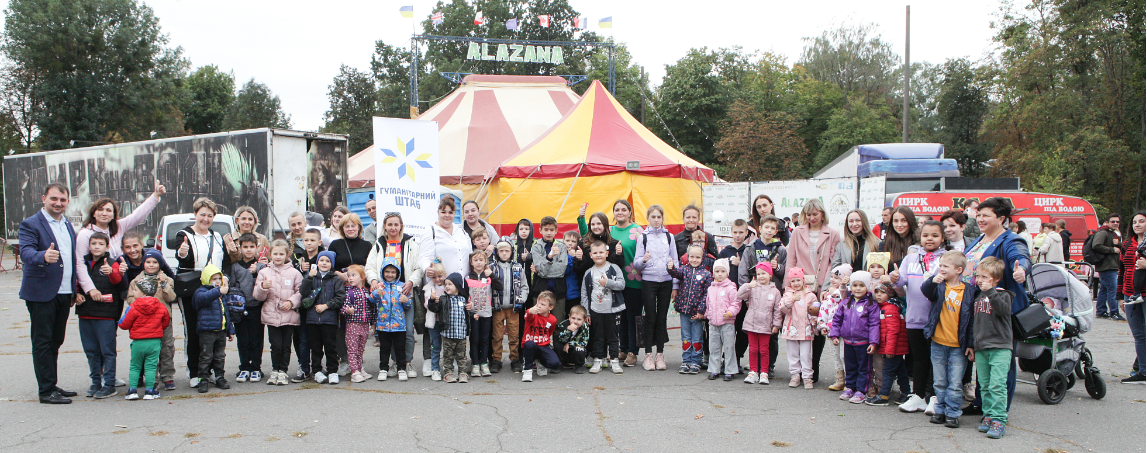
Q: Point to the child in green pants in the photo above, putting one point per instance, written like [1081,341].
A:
[992,340]
[145,321]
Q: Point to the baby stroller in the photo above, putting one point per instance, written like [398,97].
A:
[1060,361]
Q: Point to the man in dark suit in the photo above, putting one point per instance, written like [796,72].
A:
[47,248]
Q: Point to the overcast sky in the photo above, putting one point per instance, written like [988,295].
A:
[296,47]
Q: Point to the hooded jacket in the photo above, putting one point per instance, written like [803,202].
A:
[917,267]
[857,322]
[693,284]
[524,245]
[145,319]
[758,252]
[411,267]
[213,313]
[720,301]
[332,293]
[285,284]
[391,307]
[165,291]
[893,334]
[798,324]
[515,289]
[574,270]
[764,307]
[1103,243]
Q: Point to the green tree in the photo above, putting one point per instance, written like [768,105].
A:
[210,94]
[855,124]
[961,107]
[853,58]
[353,99]
[100,69]
[254,107]
[757,146]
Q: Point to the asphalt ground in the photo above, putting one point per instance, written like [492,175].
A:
[636,411]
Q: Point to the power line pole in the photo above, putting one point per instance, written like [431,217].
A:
[643,85]
[907,68]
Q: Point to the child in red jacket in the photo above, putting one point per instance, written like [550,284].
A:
[145,321]
[893,344]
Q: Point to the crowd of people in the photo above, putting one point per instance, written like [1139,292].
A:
[908,303]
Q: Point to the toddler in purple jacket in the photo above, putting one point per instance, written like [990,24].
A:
[857,323]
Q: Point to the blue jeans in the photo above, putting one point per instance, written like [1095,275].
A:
[1105,301]
[1135,319]
[98,338]
[692,340]
[948,365]
[302,346]
[435,348]
[895,369]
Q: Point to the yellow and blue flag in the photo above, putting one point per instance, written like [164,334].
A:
[606,22]
[407,11]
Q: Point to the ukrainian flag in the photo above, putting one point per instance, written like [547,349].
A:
[605,22]
[407,11]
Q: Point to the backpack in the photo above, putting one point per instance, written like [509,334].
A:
[1089,255]
[645,240]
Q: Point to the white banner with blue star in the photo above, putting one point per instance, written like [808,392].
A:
[406,171]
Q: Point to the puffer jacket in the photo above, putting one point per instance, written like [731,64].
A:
[391,308]
[857,322]
[798,324]
[693,283]
[333,294]
[720,301]
[363,303]
[829,302]
[411,268]
[764,307]
[213,313]
[285,284]
[145,319]
[893,333]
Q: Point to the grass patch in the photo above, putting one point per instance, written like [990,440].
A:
[158,433]
[777,443]
[178,397]
[467,402]
[309,385]
[234,436]
[718,406]
[491,381]
[191,435]
[271,439]
[598,387]
[299,434]
[122,431]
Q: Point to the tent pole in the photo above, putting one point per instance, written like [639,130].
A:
[568,192]
[539,167]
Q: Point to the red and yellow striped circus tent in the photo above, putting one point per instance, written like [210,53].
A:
[598,153]
[487,119]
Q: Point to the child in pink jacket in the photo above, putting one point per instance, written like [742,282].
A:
[722,306]
[762,320]
[798,325]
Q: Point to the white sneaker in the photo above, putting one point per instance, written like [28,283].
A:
[435,375]
[402,375]
[542,370]
[615,366]
[476,370]
[320,377]
[120,382]
[914,404]
[763,378]
[382,375]
[410,371]
[273,378]
[283,378]
[150,396]
[193,382]
[393,371]
[931,406]
[486,369]
[426,368]
[256,376]
[131,396]
[333,379]
[344,369]
[527,375]
[243,376]
[751,377]
[596,368]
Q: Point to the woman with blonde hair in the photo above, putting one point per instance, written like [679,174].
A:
[246,220]
[811,248]
[857,242]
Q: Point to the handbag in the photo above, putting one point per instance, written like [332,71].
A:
[187,282]
[1029,322]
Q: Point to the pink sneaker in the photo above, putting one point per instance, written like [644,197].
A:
[857,398]
[846,394]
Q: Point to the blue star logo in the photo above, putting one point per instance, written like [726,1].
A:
[405,155]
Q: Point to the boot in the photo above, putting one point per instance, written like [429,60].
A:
[839,384]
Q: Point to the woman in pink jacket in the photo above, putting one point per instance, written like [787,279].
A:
[797,330]
[278,287]
[811,248]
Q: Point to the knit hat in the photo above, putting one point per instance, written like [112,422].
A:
[862,277]
[505,241]
[881,258]
[154,254]
[208,271]
[147,285]
[765,266]
[722,263]
[842,271]
[887,288]
[458,282]
[330,256]
[794,272]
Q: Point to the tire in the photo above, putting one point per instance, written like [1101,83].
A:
[1094,384]
[1085,361]
[1070,380]
[1052,386]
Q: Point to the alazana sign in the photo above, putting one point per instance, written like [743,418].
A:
[516,53]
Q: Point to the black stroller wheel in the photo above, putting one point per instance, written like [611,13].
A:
[1052,386]
[1070,380]
[1085,362]
[1094,384]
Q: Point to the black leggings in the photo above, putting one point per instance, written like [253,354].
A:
[655,297]
[322,342]
[817,349]
[480,340]
[920,352]
[280,339]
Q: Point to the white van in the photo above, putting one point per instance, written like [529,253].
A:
[165,241]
